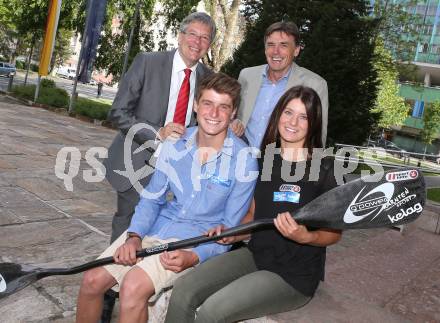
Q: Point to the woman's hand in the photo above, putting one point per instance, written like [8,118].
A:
[288,227]
[126,254]
[218,230]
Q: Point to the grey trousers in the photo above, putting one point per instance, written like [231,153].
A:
[229,288]
[126,204]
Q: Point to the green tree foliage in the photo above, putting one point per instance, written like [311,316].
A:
[113,45]
[61,51]
[25,21]
[431,122]
[337,36]
[392,108]
[397,27]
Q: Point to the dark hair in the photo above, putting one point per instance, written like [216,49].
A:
[200,17]
[311,101]
[220,83]
[287,27]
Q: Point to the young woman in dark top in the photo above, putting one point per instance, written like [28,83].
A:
[280,269]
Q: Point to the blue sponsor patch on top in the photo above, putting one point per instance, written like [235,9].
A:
[221,181]
[292,197]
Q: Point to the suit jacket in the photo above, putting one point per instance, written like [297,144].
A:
[142,98]
[251,78]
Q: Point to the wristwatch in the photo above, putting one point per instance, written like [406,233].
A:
[133,235]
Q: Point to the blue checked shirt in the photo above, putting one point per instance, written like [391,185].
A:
[267,98]
[204,196]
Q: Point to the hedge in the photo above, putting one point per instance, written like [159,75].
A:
[56,97]
[91,108]
[52,96]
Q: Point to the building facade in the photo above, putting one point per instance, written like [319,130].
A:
[424,88]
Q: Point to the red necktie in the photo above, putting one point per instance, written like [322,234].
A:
[182,99]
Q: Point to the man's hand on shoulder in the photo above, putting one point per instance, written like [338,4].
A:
[172,130]
[178,260]
[237,127]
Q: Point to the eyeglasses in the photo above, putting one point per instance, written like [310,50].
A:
[194,36]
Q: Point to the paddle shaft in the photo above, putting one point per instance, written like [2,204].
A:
[191,242]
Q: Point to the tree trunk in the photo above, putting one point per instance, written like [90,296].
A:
[231,21]
[29,63]
[29,60]
[226,18]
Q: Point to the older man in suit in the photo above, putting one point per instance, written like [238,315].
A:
[263,85]
[153,92]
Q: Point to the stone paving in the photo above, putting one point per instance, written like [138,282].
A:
[378,275]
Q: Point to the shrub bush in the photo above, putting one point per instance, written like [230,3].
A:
[24,91]
[20,65]
[55,97]
[92,109]
[51,96]
[48,83]
[34,67]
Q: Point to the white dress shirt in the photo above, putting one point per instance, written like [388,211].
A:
[177,76]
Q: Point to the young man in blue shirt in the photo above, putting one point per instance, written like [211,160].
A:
[204,179]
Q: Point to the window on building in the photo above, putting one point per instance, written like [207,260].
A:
[428,29]
[411,104]
[421,8]
[435,49]
[418,108]
[432,9]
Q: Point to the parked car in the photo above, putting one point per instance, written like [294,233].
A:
[7,69]
[66,72]
[91,82]
[391,147]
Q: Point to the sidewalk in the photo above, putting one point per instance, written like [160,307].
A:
[377,275]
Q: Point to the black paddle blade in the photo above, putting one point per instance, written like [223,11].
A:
[374,201]
[13,278]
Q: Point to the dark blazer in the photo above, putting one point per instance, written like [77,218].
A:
[142,98]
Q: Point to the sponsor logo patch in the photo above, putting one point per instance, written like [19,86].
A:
[402,175]
[220,181]
[292,197]
[371,203]
[160,247]
[417,208]
[289,188]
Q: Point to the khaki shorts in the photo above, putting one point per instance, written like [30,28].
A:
[162,279]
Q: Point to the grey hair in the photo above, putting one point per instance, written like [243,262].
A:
[200,17]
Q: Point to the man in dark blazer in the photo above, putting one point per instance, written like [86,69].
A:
[147,95]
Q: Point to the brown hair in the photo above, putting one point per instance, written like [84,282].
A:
[223,84]
[287,27]
[311,101]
